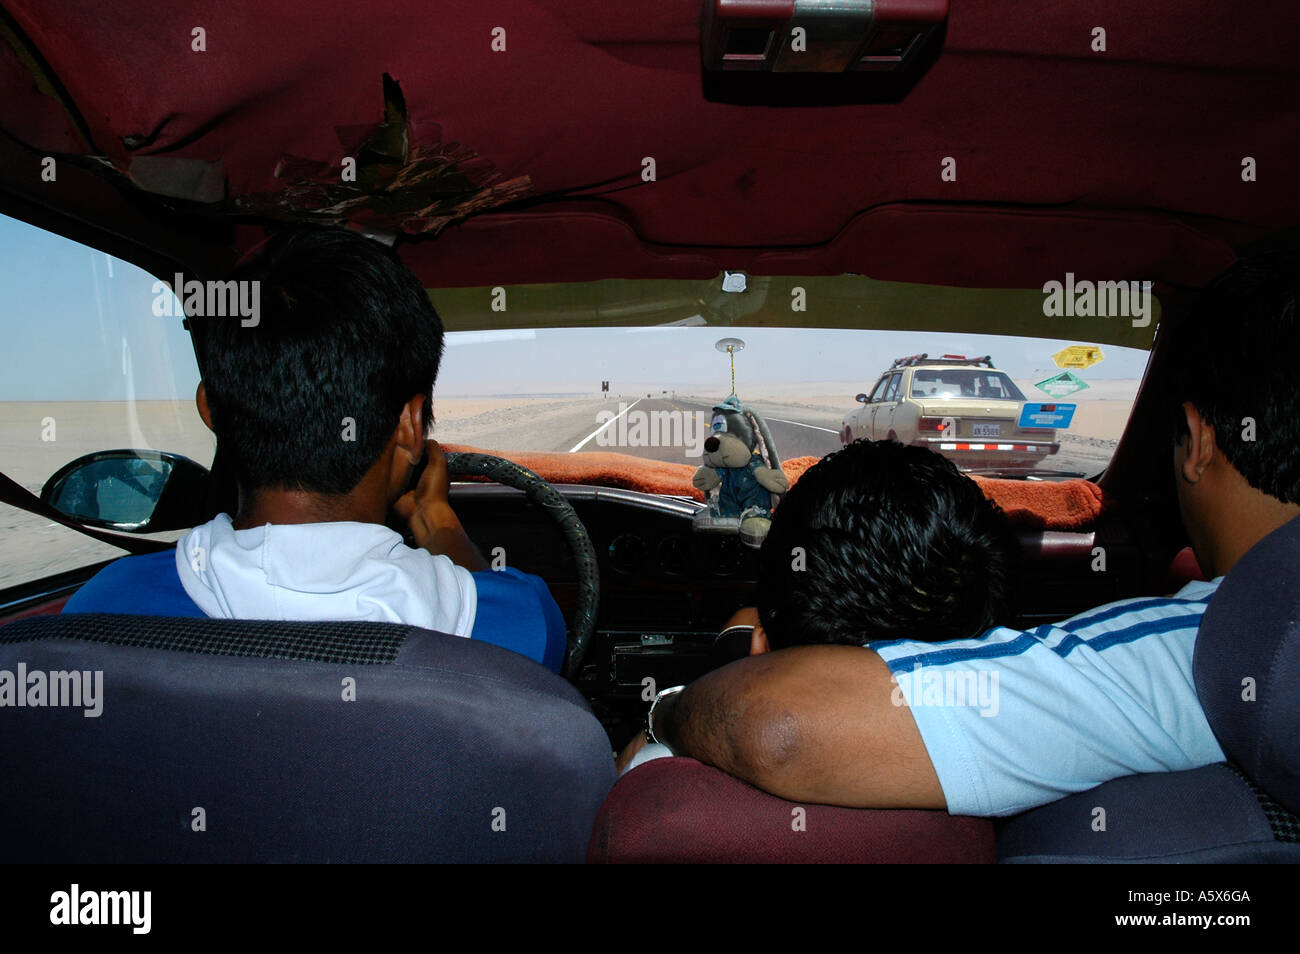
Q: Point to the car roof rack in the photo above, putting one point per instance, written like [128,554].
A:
[950,359]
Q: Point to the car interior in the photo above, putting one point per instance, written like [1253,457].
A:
[606,169]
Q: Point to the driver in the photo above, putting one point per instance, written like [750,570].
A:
[321,411]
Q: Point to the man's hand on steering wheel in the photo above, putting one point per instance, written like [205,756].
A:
[426,510]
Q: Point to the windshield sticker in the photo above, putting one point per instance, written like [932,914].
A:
[1062,385]
[1078,356]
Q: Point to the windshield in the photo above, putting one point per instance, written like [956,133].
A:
[544,390]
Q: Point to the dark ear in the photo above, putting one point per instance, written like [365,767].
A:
[205,410]
[1201,444]
[409,435]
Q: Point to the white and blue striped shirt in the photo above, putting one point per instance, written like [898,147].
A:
[1013,720]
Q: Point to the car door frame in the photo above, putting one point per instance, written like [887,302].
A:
[866,413]
[886,404]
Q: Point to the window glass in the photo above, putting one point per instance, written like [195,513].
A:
[542,390]
[87,365]
[964,382]
[90,364]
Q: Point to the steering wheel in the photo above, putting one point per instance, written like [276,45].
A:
[537,490]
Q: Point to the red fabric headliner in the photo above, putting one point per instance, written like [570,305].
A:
[586,89]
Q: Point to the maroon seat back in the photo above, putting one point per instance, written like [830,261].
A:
[678,811]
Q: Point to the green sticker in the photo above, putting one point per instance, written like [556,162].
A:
[1059,385]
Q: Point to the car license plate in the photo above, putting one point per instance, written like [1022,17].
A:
[986,430]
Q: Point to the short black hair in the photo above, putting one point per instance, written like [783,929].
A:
[895,543]
[1235,358]
[345,333]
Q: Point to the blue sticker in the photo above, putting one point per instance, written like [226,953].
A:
[1047,415]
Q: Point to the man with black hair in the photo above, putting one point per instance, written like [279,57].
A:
[1074,704]
[881,540]
[321,409]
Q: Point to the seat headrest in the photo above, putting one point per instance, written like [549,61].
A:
[313,742]
[1247,664]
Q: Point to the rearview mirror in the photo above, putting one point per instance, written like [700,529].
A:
[135,491]
[861,399]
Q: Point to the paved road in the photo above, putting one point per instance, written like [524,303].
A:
[673,430]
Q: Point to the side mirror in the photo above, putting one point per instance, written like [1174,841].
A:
[862,399]
[135,491]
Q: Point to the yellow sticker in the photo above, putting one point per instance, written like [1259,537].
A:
[1078,356]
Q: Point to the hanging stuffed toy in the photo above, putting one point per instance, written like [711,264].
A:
[734,468]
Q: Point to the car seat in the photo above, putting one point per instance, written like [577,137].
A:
[257,741]
[679,811]
[1247,671]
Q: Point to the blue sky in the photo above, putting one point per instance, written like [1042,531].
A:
[79,325]
[74,318]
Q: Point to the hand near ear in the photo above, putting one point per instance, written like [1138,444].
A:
[427,511]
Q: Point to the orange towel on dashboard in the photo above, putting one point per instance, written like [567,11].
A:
[1038,505]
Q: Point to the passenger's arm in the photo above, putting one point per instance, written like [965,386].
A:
[810,724]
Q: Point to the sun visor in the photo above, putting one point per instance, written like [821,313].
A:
[837,301]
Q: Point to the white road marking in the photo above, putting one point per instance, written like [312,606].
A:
[578,446]
[800,424]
